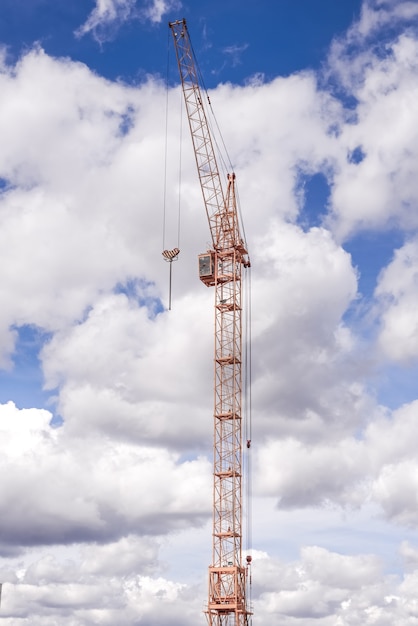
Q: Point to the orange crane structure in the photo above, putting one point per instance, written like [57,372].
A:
[221,267]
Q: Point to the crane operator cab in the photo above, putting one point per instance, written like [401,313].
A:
[207,268]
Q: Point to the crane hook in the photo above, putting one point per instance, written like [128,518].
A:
[170,256]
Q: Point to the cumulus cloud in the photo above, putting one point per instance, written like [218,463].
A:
[141,384]
[397,298]
[58,159]
[80,489]
[307,282]
[377,465]
[375,185]
[330,588]
[87,507]
[52,589]
[321,586]
[375,14]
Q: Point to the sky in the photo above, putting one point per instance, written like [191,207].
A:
[106,395]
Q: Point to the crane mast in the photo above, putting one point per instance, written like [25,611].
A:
[221,267]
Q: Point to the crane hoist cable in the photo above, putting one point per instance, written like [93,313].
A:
[225,160]
[215,131]
[247,390]
[171,255]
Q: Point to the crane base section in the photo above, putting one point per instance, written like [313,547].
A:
[227,602]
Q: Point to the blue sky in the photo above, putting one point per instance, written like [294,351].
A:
[106,396]
[233,40]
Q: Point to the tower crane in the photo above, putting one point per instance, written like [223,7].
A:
[221,267]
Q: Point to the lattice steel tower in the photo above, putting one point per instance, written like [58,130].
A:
[221,267]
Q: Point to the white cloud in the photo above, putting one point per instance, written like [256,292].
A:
[268,177]
[319,585]
[380,190]
[108,15]
[52,589]
[80,489]
[397,296]
[142,383]
[155,10]
[334,589]
[376,14]
[376,465]
[234,53]
[80,257]
[305,285]
[304,475]
[64,218]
